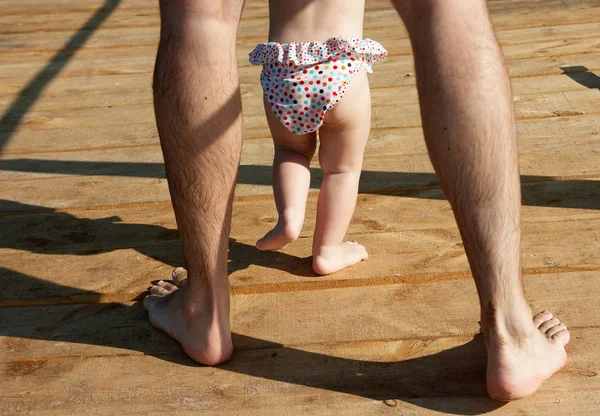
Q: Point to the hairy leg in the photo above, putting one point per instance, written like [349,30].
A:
[343,138]
[198,114]
[291,181]
[469,126]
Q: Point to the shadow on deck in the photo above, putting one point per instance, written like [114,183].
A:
[456,373]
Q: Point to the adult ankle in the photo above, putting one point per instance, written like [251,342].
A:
[512,321]
[206,301]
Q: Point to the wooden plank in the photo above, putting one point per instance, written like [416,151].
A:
[549,104]
[404,148]
[63,256]
[579,403]
[325,316]
[260,6]
[552,48]
[412,377]
[81,191]
[376,15]
[251,9]
[551,65]
[119,90]
[295,355]
[512,8]
[394,40]
[401,210]
[529,14]
[144,133]
[106,137]
[394,158]
[398,71]
[140,58]
[64,192]
[67,6]
[18,69]
[255,27]
[143,162]
[504,15]
[538,34]
[385,110]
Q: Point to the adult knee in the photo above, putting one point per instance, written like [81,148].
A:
[225,11]
[420,10]
[411,10]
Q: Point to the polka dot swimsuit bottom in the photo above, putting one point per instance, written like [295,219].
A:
[304,80]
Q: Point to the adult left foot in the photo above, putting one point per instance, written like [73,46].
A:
[198,320]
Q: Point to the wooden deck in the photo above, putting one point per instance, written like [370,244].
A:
[86,224]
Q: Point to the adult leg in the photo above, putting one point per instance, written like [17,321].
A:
[343,137]
[198,114]
[469,126]
[291,181]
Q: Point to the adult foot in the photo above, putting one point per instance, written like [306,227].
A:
[330,259]
[200,325]
[283,234]
[520,360]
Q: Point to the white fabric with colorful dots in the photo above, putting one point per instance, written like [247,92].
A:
[303,80]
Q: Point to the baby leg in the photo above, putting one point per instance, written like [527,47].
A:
[343,138]
[291,181]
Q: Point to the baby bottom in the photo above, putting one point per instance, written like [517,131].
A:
[343,137]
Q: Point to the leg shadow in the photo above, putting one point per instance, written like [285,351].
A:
[31,92]
[537,190]
[242,256]
[45,231]
[581,75]
[456,373]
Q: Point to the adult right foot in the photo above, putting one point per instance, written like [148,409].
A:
[522,357]
[200,325]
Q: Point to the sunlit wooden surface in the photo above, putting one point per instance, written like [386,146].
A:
[86,224]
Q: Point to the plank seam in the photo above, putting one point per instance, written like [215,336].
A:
[382,88]
[155,44]
[269,196]
[465,335]
[176,242]
[270,288]
[266,18]
[556,114]
[508,60]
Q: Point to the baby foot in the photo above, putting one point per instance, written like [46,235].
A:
[330,259]
[279,237]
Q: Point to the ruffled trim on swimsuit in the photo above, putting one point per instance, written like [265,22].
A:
[309,53]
